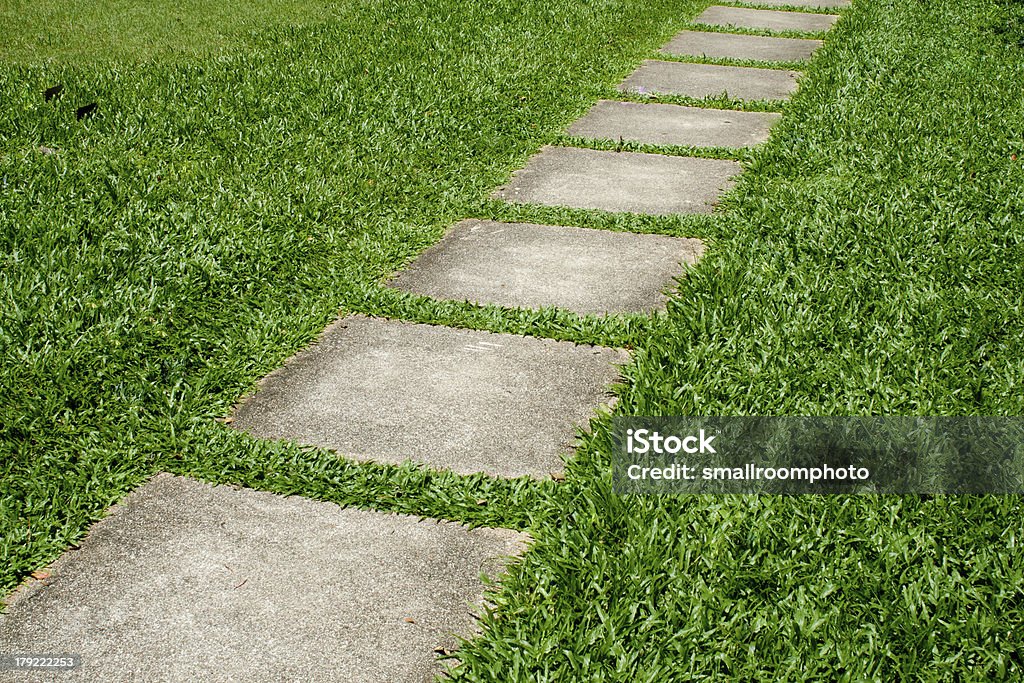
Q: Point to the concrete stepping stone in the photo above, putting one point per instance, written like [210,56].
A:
[818,4]
[529,266]
[670,124]
[453,399]
[772,20]
[710,80]
[739,46]
[620,181]
[184,581]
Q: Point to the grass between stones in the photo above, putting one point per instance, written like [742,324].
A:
[219,210]
[787,8]
[751,31]
[725,61]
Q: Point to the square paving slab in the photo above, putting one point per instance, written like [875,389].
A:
[738,46]
[773,20]
[670,124]
[184,581]
[458,400]
[820,4]
[529,266]
[710,80]
[620,181]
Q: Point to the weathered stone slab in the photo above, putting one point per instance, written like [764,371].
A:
[529,266]
[739,46]
[620,181]
[458,400]
[710,80]
[670,124]
[184,581]
[772,20]
[819,4]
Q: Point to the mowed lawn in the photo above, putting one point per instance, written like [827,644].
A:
[255,169]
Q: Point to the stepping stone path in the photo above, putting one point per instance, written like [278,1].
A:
[772,20]
[530,266]
[461,400]
[620,181]
[738,46]
[670,124]
[710,80]
[187,581]
[184,581]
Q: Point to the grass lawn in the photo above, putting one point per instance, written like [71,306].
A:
[252,171]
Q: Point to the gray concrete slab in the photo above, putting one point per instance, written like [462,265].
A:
[458,400]
[819,4]
[772,20]
[670,124]
[620,181]
[529,266]
[739,46]
[710,80]
[184,581]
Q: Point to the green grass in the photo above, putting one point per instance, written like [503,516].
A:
[136,30]
[750,31]
[778,8]
[221,208]
[797,65]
